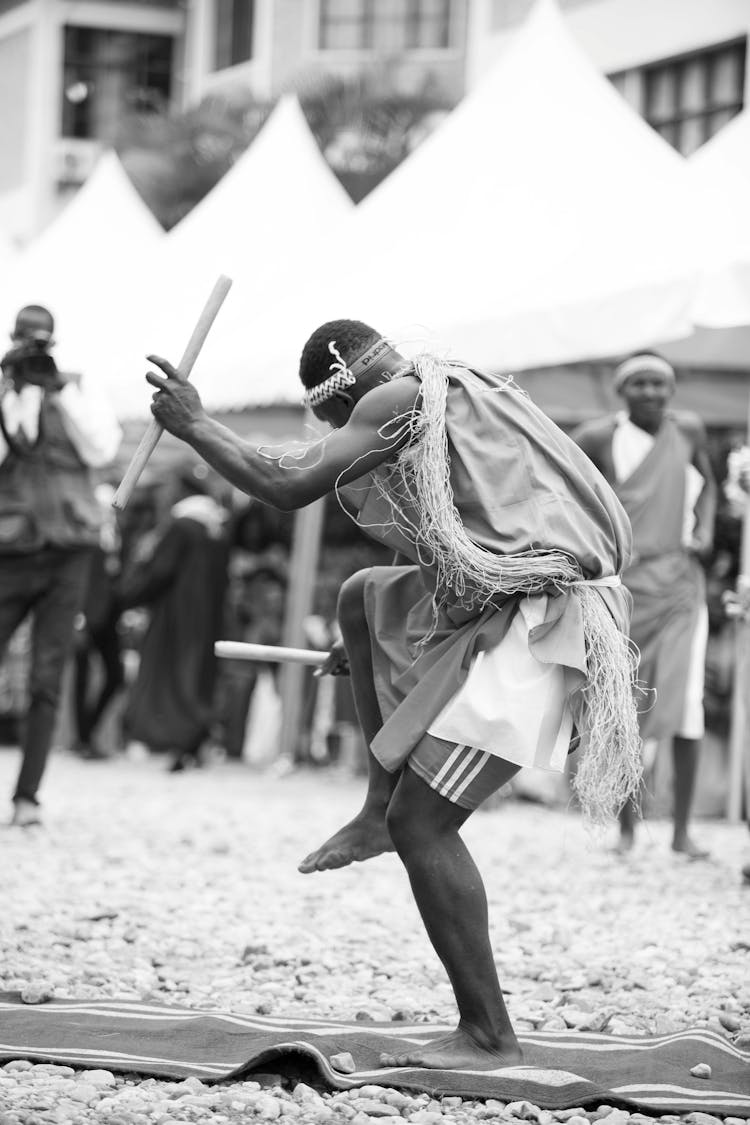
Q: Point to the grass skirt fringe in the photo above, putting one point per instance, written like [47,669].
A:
[610,769]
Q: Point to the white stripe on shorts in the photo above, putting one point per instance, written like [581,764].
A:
[435,783]
[453,785]
[470,777]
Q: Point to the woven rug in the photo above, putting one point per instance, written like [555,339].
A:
[561,1070]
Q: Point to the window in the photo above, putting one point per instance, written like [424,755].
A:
[234,32]
[689,99]
[108,74]
[388,26]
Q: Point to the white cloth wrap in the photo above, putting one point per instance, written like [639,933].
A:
[512,705]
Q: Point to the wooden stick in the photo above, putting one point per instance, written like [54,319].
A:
[154,431]
[273,654]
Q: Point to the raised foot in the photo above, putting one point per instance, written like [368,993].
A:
[362,838]
[457,1051]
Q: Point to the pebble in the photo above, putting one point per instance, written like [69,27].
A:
[701,1070]
[100,1078]
[616,1117]
[343,1062]
[36,994]
[373,1108]
[266,1107]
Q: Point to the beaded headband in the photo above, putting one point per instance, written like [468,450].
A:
[638,363]
[343,376]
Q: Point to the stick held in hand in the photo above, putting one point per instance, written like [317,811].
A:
[154,431]
[273,654]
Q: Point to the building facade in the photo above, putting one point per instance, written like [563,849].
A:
[70,69]
[682,64]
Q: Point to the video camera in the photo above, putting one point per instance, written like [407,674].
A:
[29,360]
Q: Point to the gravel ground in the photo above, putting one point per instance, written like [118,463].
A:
[184,889]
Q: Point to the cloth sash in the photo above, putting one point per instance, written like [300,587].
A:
[666,583]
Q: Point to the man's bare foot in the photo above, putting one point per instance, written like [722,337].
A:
[458,1051]
[626,842]
[362,838]
[25,814]
[686,846]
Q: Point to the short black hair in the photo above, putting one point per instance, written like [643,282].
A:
[352,337]
[34,313]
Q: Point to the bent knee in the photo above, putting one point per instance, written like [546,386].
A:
[408,829]
[397,821]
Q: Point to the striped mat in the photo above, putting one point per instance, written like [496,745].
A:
[561,1070]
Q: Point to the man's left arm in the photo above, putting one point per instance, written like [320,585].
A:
[89,422]
[705,505]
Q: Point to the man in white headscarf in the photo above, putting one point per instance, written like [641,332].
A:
[656,459]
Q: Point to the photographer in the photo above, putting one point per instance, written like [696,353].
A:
[52,432]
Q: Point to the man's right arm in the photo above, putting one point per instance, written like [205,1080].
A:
[371,436]
[593,438]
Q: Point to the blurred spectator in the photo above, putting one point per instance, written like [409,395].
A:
[737,491]
[257,603]
[657,461]
[183,584]
[52,432]
[98,635]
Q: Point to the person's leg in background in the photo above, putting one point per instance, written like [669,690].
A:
[105,641]
[16,596]
[687,743]
[63,576]
[81,684]
[685,756]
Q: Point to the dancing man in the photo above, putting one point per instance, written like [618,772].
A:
[501,624]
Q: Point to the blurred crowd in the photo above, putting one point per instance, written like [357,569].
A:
[186,563]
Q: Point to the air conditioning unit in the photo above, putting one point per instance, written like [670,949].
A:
[74,160]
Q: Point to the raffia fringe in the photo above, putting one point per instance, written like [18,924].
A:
[610,768]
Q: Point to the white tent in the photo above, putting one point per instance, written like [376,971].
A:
[74,266]
[720,172]
[721,169]
[544,221]
[8,254]
[270,215]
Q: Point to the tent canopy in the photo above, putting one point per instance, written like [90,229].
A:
[544,221]
[720,170]
[74,266]
[269,214]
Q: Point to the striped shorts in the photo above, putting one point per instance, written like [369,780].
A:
[462,774]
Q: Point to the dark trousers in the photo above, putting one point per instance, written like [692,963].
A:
[51,584]
[104,640]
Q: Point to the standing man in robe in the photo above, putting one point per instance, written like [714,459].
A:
[183,582]
[657,461]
